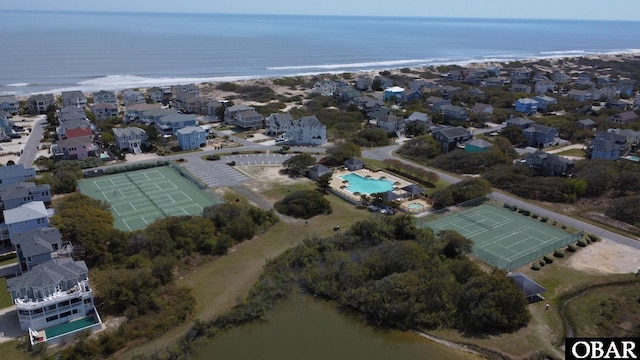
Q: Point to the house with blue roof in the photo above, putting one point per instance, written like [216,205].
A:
[191,137]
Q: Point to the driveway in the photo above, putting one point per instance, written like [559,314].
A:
[9,324]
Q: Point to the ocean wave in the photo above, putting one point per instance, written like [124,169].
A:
[18,85]
[378,64]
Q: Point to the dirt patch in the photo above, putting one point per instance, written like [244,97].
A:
[265,178]
[605,257]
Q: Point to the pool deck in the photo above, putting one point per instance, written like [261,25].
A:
[337,183]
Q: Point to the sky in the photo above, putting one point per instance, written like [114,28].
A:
[518,9]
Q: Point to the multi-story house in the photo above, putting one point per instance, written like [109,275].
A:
[544,101]
[130,138]
[134,111]
[153,116]
[191,137]
[308,130]
[606,145]
[105,97]
[64,128]
[393,92]
[549,164]
[522,88]
[70,113]
[544,86]
[157,94]
[77,148]
[626,117]
[104,111]
[191,103]
[561,77]
[437,103]
[276,124]
[540,136]
[10,104]
[39,245]
[39,103]
[249,119]
[180,90]
[132,96]
[74,98]
[53,293]
[17,194]
[454,112]
[26,217]
[389,123]
[11,174]
[520,74]
[451,137]
[169,124]
[580,95]
[231,112]
[526,106]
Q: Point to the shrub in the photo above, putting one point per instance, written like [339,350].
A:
[304,204]
[581,243]
[535,216]
[593,238]
[231,163]
[558,253]
[572,248]
[544,219]
[213,157]
[542,263]
[548,259]
[535,266]
[526,212]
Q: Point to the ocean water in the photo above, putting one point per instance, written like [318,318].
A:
[58,51]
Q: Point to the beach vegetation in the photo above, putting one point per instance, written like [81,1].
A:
[420,148]
[337,154]
[370,137]
[297,165]
[460,192]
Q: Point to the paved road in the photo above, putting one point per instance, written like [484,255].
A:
[33,142]
[387,153]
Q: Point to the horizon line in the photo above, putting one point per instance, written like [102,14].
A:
[311,15]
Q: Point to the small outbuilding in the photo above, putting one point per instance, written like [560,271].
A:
[531,289]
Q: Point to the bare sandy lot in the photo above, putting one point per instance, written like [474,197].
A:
[606,257]
[265,178]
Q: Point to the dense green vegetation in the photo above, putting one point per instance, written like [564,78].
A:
[297,165]
[392,274]
[304,204]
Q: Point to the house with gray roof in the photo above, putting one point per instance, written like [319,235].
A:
[39,245]
[544,101]
[26,217]
[436,103]
[526,106]
[157,94]
[626,118]
[231,112]
[191,137]
[10,104]
[70,113]
[580,95]
[39,103]
[276,123]
[249,119]
[540,136]
[454,112]
[308,130]
[15,173]
[134,112]
[389,123]
[52,293]
[451,137]
[586,124]
[522,123]
[420,117]
[316,171]
[105,97]
[74,98]
[16,194]
[549,164]
[167,125]
[130,138]
[354,164]
[104,111]
[132,96]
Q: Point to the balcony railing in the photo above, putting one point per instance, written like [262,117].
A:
[78,290]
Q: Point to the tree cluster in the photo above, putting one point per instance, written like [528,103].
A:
[461,192]
[304,204]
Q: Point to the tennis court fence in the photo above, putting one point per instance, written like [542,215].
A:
[454,209]
[523,259]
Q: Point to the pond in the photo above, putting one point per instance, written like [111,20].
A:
[305,328]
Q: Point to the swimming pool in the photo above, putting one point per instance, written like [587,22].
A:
[363,185]
[415,206]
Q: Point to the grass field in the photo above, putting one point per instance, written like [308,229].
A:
[501,237]
[138,198]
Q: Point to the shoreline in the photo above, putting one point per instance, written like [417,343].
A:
[142,83]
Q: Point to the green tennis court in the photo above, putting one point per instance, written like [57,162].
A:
[504,238]
[138,198]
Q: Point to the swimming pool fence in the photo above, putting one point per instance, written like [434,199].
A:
[525,258]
